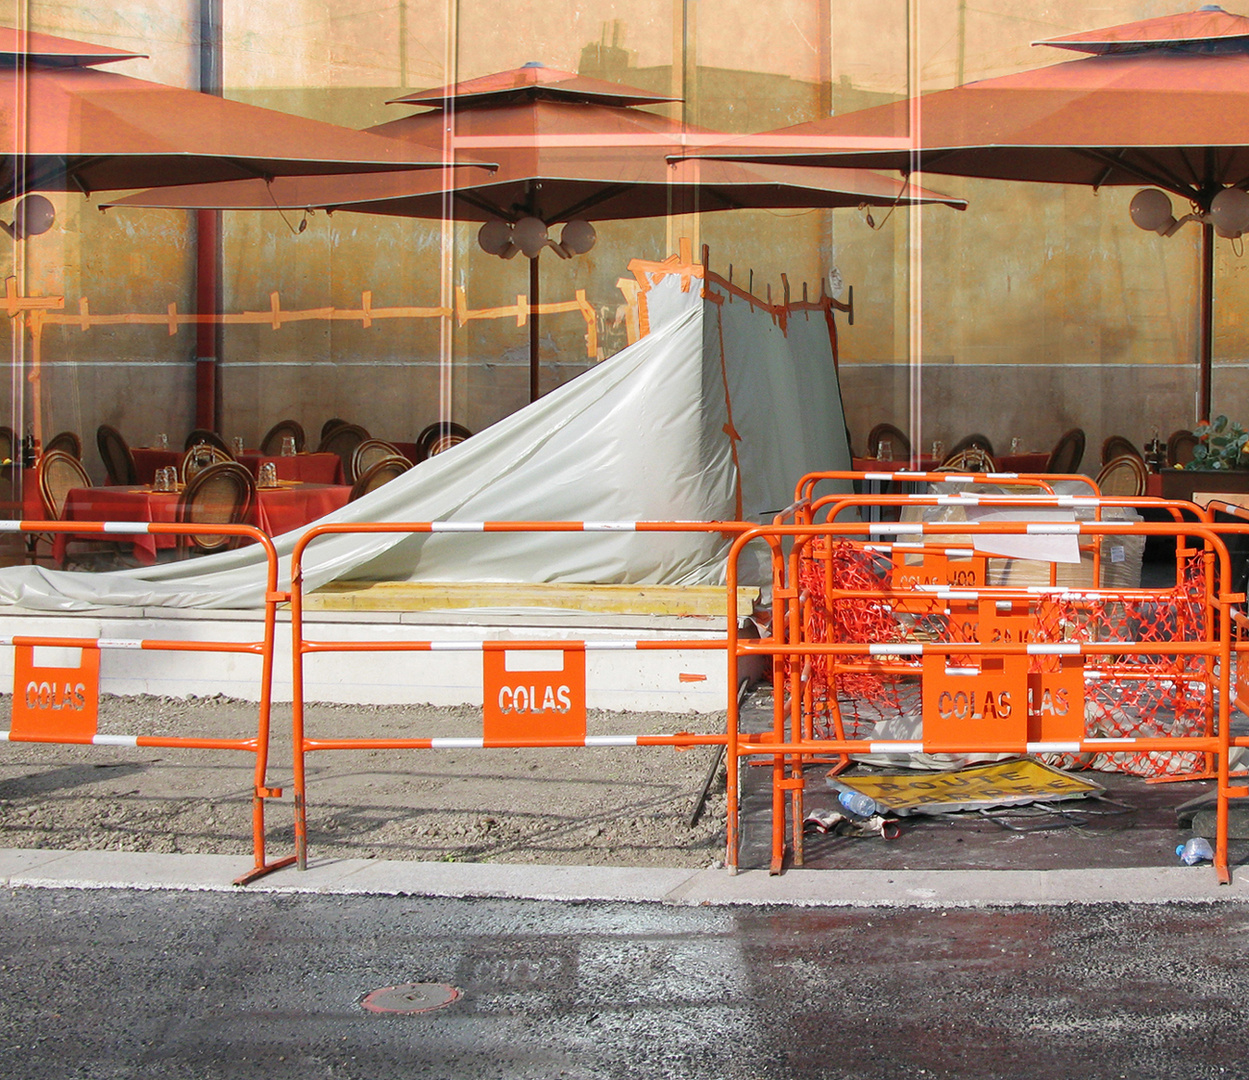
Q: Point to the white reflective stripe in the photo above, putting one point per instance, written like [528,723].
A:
[878,476]
[1052,747]
[456,646]
[1093,675]
[895,747]
[10,526]
[1107,741]
[456,744]
[883,548]
[114,740]
[962,671]
[610,646]
[4,736]
[129,526]
[609,526]
[896,528]
[1057,649]
[611,740]
[117,643]
[1078,500]
[957,594]
[900,649]
[457,526]
[1002,475]
[6,641]
[963,498]
[905,545]
[1054,528]
[959,478]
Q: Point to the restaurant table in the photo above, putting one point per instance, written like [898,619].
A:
[1032,461]
[306,468]
[278,510]
[147,459]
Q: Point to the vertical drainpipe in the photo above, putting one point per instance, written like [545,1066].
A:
[208,243]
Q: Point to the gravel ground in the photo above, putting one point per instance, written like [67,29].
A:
[596,806]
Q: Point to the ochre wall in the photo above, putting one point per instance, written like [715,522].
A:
[1042,307]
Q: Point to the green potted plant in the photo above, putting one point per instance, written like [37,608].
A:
[1221,447]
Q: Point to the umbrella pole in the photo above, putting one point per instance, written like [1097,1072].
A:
[1205,333]
[533,329]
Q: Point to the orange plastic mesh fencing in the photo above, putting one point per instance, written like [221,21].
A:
[1126,695]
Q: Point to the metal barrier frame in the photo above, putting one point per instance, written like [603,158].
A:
[301,646]
[799,747]
[259,745]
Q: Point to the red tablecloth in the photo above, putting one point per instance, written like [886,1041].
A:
[864,464]
[1032,462]
[278,510]
[306,468]
[147,460]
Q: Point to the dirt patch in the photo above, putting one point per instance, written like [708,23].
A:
[617,806]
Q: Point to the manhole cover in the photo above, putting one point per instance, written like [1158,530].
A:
[410,998]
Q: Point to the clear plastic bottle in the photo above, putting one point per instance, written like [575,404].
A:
[857,803]
[1196,850]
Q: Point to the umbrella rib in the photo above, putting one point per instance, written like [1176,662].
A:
[1163,178]
[589,201]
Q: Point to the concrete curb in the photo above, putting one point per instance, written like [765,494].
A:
[25,868]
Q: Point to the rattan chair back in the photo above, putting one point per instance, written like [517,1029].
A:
[221,494]
[1118,445]
[209,438]
[271,444]
[1068,452]
[898,441]
[379,473]
[115,453]
[67,441]
[1125,475]
[200,457]
[59,473]
[1180,446]
[970,459]
[343,441]
[369,453]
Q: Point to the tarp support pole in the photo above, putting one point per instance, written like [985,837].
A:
[208,242]
[1205,333]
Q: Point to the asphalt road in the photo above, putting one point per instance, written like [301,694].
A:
[110,984]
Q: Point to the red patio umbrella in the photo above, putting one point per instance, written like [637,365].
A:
[1162,102]
[568,148]
[65,125]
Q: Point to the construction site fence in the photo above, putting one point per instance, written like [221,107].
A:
[504,723]
[998,644]
[59,704]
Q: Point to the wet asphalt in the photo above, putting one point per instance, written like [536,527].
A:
[111,984]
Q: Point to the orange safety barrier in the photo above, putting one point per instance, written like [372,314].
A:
[60,704]
[986,691]
[542,709]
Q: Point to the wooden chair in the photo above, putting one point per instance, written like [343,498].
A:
[343,441]
[67,441]
[1068,452]
[199,457]
[221,494]
[58,474]
[369,453]
[968,441]
[1125,475]
[379,473]
[1117,446]
[271,444]
[970,459]
[115,453]
[209,438]
[438,437]
[1180,447]
[901,444]
[332,423]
